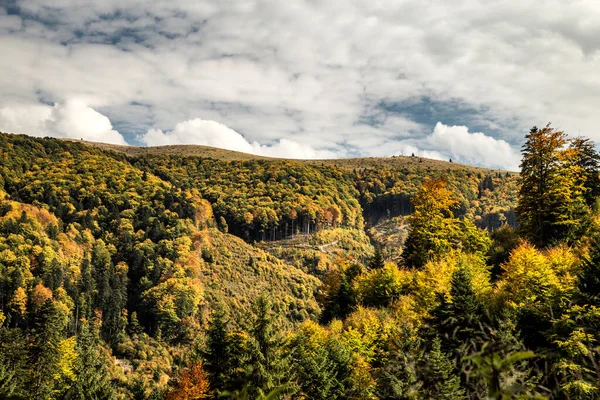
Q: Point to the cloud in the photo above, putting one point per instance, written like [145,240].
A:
[457,143]
[73,120]
[315,73]
[215,134]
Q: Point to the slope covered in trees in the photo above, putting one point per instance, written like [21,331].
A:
[172,275]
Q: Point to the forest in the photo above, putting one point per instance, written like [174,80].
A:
[169,276]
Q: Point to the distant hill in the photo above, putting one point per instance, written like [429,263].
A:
[230,155]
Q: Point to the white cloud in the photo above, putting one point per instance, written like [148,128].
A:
[473,148]
[457,143]
[73,120]
[311,70]
[215,134]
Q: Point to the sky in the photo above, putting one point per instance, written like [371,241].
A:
[459,79]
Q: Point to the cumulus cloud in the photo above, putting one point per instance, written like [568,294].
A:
[319,71]
[74,120]
[214,134]
[457,143]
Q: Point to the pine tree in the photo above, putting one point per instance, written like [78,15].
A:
[315,370]
[92,380]
[460,323]
[459,320]
[13,364]
[551,203]
[45,354]
[588,159]
[437,375]
[397,377]
[217,349]
[377,261]
[269,365]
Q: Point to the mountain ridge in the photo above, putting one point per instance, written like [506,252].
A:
[195,150]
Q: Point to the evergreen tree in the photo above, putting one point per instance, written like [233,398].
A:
[92,380]
[437,375]
[397,377]
[48,326]
[377,261]
[13,364]
[217,349]
[460,324]
[588,160]
[551,202]
[315,370]
[589,278]
[269,364]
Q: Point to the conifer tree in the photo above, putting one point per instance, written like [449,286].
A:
[589,278]
[459,322]
[92,380]
[551,202]
[437,375]
[217,349]
[45,354]
[269,365]
[315,370]
[377,261]
[588,159]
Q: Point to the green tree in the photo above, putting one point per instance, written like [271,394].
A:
[92,379]
[460,324]
[48,326]
[551,202]
[377,261]
[438,377]
[269,365]
[589,278]
[588,160]
[217,350]
[315,370]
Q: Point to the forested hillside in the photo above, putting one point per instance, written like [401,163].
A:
[192,273]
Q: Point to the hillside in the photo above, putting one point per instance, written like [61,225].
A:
[347,163]
[137,250]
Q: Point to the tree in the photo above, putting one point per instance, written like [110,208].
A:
[269,365]
[45,349]
[437,375]
[460,322]
[217,349]
[13,364]
[431,224]
[192,384]
[316,370]
[397,377]
[92,379]
[551,203]
[588,160]
[589,278]
[377,261]
[379,287]
[433,229]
